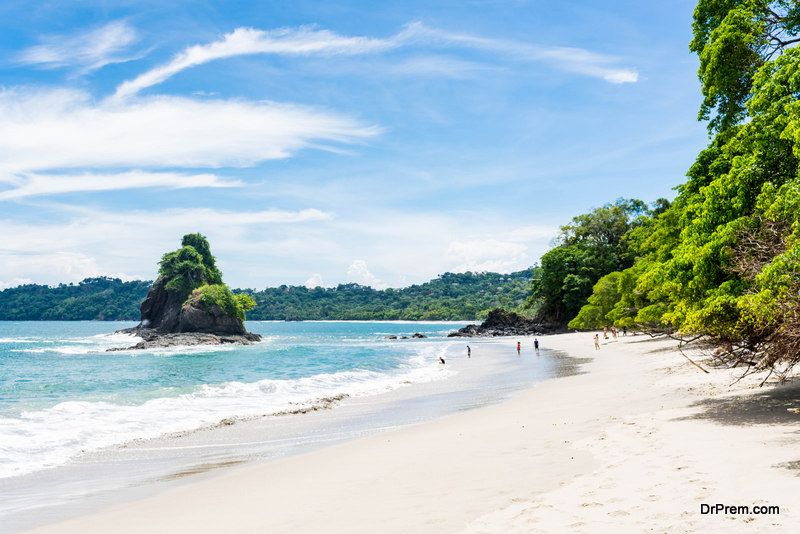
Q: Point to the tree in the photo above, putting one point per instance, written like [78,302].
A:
[733,39]
[589,247]
[192,272]
[191,266]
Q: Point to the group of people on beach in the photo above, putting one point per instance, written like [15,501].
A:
[535,346]
[519,350]
[614,333]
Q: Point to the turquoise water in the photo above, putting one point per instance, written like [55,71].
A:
[62,394]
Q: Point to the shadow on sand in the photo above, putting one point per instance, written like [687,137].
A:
[767,406]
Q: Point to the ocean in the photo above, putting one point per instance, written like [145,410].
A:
[70,410]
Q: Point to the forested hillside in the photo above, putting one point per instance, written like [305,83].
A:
[451,296]
[108,299]
[464,296]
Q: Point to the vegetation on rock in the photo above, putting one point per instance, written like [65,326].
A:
[189,267]
[192,272]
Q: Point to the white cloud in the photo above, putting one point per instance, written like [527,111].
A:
[314,281]
[65,129]
[488,255]
[99,243]
[91,51]
[309,41]
[51,266]
[440,65]
[39,184]
[244,41]
[570,59]
[359,273]
[14,282]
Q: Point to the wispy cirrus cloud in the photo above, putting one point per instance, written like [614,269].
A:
[43,134]
[570,59]
[309,41]
[89,50]
[30,185]
[45,130]
[246,41]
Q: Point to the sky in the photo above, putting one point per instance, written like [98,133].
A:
[326,142]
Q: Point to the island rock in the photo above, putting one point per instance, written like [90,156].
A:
[189,305]
[504,323]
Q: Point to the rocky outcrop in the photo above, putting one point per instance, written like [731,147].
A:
[504,323]
[415,336]
[152,339]
[169,320]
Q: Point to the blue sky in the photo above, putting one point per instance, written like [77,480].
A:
[327,142]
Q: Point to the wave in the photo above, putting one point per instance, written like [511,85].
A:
[51,437]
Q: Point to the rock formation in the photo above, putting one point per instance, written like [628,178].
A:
[504,323]
[164,310]
[185,304]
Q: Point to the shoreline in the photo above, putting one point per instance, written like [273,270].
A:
[140,468]
[641,441]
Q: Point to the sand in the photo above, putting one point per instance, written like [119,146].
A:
[638,443]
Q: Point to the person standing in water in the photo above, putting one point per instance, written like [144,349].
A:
[518,347]
[536,344]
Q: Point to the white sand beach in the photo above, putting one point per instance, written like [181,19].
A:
[636,444]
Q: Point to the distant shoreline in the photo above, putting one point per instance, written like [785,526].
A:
[451,296]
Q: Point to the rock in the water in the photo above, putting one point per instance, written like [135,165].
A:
[168,320]
[419,336]
[504,323]
[390,337]
[163,310]
[153,339]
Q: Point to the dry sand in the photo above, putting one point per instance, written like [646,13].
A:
[637,444]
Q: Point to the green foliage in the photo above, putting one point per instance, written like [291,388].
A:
[733,39]
[605,295]
[463,296]
[92,299]
[190,266]
[451,296]
[590,247]
[220,295]
[245,302]
[724,259]
[200,244]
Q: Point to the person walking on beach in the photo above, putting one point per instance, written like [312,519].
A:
[536,344]
[469,352]
[597,342]
[518,347]
[605,332]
